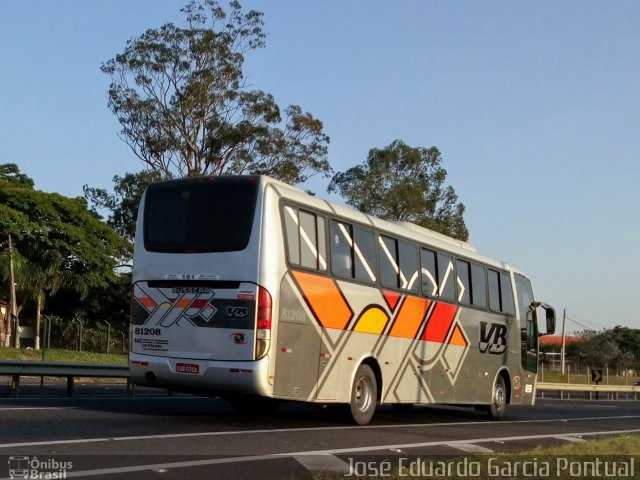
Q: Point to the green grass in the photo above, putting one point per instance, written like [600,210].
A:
[619,445]
[53,355]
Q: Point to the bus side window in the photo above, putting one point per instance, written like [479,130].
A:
[446,274]
[308,240]
[389,270]
[292,234]
[494,291]
[478,286]
[463,269]
[305,236]
[364,254]
[428,272]
[341,241]
[409,275]
[506,294]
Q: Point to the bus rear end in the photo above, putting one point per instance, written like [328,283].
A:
[199,319]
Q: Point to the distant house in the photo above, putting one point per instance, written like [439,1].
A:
[4,309]
[554,340]
[26,333]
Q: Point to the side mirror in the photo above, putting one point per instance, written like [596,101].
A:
[550,315]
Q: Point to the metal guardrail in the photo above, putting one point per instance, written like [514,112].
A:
[18,368]
[70,371]
[610,390]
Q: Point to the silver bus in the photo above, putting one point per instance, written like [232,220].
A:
[249,288]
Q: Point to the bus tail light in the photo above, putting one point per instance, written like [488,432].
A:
[263,323]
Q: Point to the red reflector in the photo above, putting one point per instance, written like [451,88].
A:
[264,309]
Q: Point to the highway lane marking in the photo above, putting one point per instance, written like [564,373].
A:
[568,438]
[326,463]
[337,451]
[165,436]
[468,447]
[18,409]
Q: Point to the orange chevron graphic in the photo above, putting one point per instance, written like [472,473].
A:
[457,337]
[410,317]
[325,300]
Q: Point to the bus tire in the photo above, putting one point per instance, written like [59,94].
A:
[364,392]
[498,405]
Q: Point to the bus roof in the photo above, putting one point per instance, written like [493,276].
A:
[403,229]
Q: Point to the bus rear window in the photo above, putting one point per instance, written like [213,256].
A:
[200,215]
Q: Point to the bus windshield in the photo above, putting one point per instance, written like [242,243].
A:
[200,214]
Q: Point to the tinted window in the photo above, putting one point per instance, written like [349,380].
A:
[506,294]
[464,285]
[478,286]
[388,262]
[446,274]
[364,254]
[211,214]
[304,232]
[291,231]
[494,291]
[408,267]
[428,272]
[341,260]
[308,240]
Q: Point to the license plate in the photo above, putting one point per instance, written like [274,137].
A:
[187,368]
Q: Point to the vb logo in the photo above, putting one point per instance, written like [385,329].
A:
[236,312]
[493,338]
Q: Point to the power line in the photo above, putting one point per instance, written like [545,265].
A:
[588,327]
[593,322]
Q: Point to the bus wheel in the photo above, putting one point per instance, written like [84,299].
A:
[363,395]
[498,405]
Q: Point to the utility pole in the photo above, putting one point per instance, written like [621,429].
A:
[564,332]
[13,317]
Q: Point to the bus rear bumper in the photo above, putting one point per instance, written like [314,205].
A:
[201,375]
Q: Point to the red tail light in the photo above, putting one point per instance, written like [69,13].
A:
[264,309]
[263,323]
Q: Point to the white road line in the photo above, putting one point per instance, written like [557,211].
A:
[293,430]
[468,447]
[275,456]
[568,438]
[18,409]
[324,463]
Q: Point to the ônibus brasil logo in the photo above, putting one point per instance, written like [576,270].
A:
[33,468]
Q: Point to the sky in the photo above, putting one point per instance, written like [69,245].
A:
[535,107]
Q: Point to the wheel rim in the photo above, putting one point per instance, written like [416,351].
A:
[499,396]
[364,391]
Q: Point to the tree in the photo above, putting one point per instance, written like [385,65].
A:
[186,109]
[58,241]
[11,173]
[404,183]
[124,201]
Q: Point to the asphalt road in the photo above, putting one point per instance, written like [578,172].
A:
[153,437]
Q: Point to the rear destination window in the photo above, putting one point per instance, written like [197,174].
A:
[207,214]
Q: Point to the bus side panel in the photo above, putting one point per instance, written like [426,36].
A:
[298,348]
[405,382]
